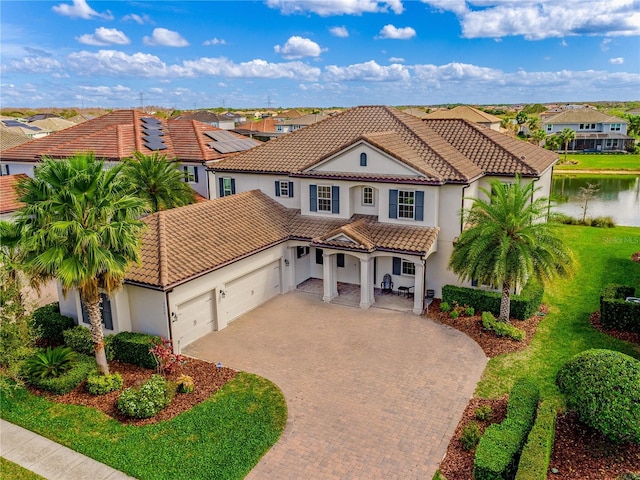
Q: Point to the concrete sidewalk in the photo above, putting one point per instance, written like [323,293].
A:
[49,459]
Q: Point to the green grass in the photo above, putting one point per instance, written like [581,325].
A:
[221,438]
[13,471]
[603,257]
[600,161]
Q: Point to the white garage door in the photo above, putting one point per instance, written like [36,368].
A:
[195,318]
[251,290]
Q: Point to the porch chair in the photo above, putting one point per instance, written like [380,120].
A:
[387,284]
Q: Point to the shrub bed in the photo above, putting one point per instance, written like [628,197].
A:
[499,449]
[68,380]
[50,323]
[146,401]
[501,329]
[98,384]
[615,312]
[536,454]
[133,348]
[79,339]
[523,306]
[602,387]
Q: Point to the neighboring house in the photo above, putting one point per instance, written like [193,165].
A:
[10,138]
[20,127]
[294,124]
[416,112]
[224,121]
[369,192]
[8,197]
[117,135]
[471,114]
[52,124]
[595,131]
[263,130]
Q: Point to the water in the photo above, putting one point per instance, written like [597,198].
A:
[618,197]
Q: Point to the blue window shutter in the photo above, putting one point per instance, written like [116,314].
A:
[397,266]
[393,203]
[313,198]
[319,256]
[107,319]
[195,174]
[233,186]
[474,283]
[186,174]
[335,199]
[221,184]
[340,260]
[291,189]
[419,212]
[363,159]
[277,188]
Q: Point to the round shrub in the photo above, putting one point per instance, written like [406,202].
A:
[603,388]
[445,307]
[185,384]
[146,401]
[98,384]
[50,323]
[483,413]
[470,436]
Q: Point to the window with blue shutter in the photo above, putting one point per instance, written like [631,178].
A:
[335,199]
[313,198]
[277,188]
[105,312]
[393,203]
[397,266]
[227,186]
[340,259]
[319,256]
[291,189]
[419,206]
[363,159]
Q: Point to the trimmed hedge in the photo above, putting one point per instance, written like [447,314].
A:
[615,313]
[68,380]
[603,387]
[536,454]
[98,384]
[523,306]
[50,323]
[501,329]
[79,339]
[133,348]
[498,452]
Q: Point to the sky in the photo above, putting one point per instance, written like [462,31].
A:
[316,53]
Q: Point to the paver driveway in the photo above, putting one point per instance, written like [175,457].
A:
[371,394]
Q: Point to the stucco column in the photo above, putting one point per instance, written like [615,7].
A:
[329,277]
[418,297]
[366,283]
[289,269]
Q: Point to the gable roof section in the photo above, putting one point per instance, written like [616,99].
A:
[117,135]
[583,115]
[8,196]
[464,112]
[426,146]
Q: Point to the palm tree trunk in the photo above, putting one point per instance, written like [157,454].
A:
[505,303]
[93,311]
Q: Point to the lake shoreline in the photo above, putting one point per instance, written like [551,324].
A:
[595,172]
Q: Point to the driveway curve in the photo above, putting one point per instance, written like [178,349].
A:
[371,394]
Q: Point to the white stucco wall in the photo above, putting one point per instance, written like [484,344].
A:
[378,162]
[15,168]
[147,311]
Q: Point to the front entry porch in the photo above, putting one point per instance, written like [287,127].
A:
[349,295]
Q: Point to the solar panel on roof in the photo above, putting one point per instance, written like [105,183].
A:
[16,123]
[150,120]
[154,144]
[220,135]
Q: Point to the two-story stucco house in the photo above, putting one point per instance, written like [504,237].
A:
[595,131]
[367,193]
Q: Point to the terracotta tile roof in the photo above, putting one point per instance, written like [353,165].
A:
[264,125]
[9,138]
[8,195]
[464,112]
[583,115]
[183,243]
[117,135]
[442,150]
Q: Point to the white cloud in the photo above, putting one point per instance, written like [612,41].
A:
[115,63]
[326,8]
[616,61]
[33,64]
[165,38]
[604,45]
[538,19]
[139,19]
[215,41]
[339,31]
[369,72]
[389,31]
[396,60]
[80,9]
[104,36]
[222,67]
[298,47]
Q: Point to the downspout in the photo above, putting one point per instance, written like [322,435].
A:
[462,206]
[166,302]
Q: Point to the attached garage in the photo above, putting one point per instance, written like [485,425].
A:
[251,290]
[194,318]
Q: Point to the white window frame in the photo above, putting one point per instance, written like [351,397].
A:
[190,173]
[408,268]
[406,206]
[615,127]
[365,197]
[284,188]
[324,198]
[226,186]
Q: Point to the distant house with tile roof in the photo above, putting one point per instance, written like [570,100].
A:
[366,193]
[223,121]
[117,135]
[595,131]
[293,124]
[8,196]
[471,114]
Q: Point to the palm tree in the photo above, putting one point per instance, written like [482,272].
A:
[538,136]
[157,181]
[566,135]
[508,241]
[80,225]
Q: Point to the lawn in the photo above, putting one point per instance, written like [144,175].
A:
[13,471]
[603,256]
[223,437]
[600,161]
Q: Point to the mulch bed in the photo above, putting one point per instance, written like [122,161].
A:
[206,376]
[579,453]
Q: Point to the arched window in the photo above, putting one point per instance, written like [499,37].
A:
[363,159]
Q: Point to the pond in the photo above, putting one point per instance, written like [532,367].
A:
[618,197]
